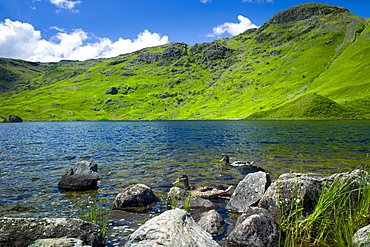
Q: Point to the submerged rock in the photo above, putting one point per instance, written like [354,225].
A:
[83,176]
[249,191]
[172,228]
[25,231]
[136,195]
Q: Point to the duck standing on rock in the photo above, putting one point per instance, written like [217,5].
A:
[245,166]
[207,192]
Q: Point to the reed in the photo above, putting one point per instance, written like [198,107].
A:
[342,208]
[95,213]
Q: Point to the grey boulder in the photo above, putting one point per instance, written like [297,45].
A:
[134,196]
[172,228]
[83,176]
[25,231]
[249,191]
[211,221]
[362,237]
[255,228]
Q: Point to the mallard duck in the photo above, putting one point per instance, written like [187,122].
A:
[244,166]
[206,192]
[226,159]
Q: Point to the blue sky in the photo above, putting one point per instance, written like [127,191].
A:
[51,30]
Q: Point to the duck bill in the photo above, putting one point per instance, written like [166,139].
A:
[177,181]
[223,159]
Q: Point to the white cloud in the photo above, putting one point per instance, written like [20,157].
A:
[21,41]
[65,4]
[232,28]
[205,1]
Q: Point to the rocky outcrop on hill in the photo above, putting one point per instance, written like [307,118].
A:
[304,11]
[13,119]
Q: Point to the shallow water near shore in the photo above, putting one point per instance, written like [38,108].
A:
[34,156]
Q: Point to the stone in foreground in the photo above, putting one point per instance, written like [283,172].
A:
[255,228]
[172,228]
[16,232]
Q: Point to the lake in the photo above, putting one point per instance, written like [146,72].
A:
[34,156]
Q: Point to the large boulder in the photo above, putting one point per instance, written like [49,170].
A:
[249,191]
[25,231]
[180,198]
[211,221]
[255,228]
[172,228]
[83,176]
[134,196]
[291,188]
[362,237]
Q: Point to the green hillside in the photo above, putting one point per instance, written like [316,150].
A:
[309,61]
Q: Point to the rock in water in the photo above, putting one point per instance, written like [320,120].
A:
[180,198]
[172,228]
[249,191]
[83,176]
[136,195]
[211,221]
[256,228]
[24,231]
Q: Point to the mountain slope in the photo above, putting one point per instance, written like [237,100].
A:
[309,55]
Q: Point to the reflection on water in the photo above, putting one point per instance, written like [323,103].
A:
[34,155]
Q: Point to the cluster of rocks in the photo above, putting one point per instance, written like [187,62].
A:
[259,201]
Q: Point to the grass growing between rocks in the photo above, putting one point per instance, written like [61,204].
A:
[342,208]
[95,213]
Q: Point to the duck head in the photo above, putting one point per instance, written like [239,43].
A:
[226,159]
[185,180]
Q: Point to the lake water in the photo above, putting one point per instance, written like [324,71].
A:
[34,156]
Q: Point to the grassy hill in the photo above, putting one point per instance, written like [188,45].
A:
[309,61]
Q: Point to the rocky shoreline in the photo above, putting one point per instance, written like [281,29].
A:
[259,202]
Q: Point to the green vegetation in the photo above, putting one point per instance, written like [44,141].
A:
[309,61]
[342,208]
[94,213]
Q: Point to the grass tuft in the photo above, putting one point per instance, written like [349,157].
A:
[343,207]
